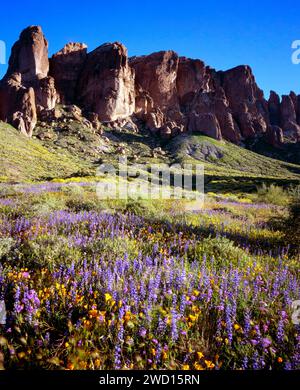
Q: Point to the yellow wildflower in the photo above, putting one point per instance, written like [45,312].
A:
[198,366]
[93,313]
[108,297]
[209,364]
[196,293]
[127,316]
[200,355]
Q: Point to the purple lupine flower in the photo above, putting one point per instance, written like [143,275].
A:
[266,342]
[174,325]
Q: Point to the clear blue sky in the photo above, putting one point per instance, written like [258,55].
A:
[222,33]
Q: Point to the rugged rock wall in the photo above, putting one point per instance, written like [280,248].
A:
[161,91]
[26,88]
[106,83]
[65,67]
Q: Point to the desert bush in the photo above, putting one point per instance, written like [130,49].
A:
[79,203]
[44,204]
[292,224]
[272,194]
[47,251]
[6,245]
[221,249]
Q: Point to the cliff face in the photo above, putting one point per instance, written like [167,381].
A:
[167,94]
[106,83]
[26,89]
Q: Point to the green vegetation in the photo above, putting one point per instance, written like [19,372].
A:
[24,159]
[94,284]
[145,284]
[227,159]
[76,151]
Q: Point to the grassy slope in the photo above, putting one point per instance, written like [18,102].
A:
[224,158]
[27,159]
[76,153]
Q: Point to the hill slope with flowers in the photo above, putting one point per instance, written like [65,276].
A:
[92,284]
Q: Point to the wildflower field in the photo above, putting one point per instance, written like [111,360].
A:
[92,284]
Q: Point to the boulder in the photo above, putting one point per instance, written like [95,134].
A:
[205,123]
[94,119]
[213,108]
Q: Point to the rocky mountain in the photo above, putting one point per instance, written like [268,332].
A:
[162,92]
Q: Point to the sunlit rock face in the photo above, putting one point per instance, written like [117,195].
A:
[162,92]
[106,83]
[26,84]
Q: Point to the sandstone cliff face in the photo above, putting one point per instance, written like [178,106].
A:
[274,136]
[192,77]
[156,74]
[106,83]
[163,92]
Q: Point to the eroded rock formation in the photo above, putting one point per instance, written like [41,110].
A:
[26,87]
[65,68]
[106,83]
[163,92]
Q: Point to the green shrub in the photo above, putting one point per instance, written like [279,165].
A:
[78,204]
[6,245]
[45,204]
[292,224]
[223,250]
[272,194]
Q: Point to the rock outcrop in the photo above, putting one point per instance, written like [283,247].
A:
[18,104]
[65,67]
[246,101]
[192,77]
[274,136]
[157,101]
[106,83]
[288,116]
[163,92]
[26,87]
[29,55]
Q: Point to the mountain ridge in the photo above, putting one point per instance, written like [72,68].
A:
[165,93]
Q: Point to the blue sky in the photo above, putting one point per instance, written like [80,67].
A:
[223,34]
